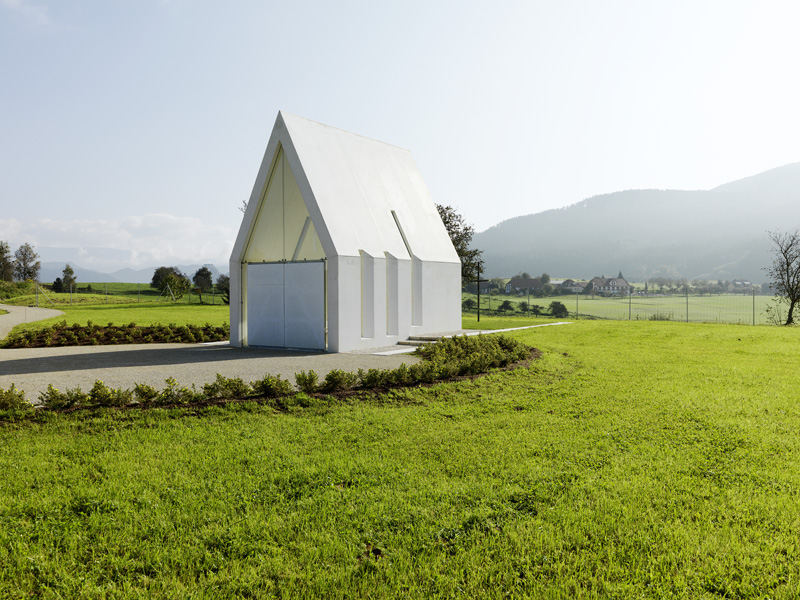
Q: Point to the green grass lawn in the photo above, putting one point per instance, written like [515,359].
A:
[643,459]
[106,293]
[470,321]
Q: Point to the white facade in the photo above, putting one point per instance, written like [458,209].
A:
[341,247]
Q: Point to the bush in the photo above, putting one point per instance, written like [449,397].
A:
[558,310]
[373,378]
[13,399]
[307,382]
[338,380]
[401,376]
[54,399]
[174,394]
[271,386]
[145,393]
[227,388]
[102,395]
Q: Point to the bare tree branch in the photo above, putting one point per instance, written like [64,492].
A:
[785,268]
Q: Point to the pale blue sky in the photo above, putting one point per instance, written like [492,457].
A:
[140,125]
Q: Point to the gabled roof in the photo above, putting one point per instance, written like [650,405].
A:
[361,194]
[524,283]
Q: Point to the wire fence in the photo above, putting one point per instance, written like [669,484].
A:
[118,293]
[749,308]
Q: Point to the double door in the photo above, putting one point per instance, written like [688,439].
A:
[286,305]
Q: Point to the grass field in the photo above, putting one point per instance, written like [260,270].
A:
[107,293]
[723,308]
[643,459]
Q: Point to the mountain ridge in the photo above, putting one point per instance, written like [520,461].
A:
[715,234]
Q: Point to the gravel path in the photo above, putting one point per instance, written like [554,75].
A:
[32,369]
[23,314]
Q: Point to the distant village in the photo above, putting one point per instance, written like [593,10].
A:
[523,285]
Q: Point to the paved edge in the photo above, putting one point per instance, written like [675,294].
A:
[408,349]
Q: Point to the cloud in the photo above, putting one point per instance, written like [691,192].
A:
[134,241]
[38,15]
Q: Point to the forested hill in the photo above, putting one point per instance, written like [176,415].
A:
[713,234]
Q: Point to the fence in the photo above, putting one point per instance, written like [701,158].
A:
[748,309]
[117,293]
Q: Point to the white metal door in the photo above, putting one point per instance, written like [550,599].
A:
[286,305]
[265,305]
[305,305]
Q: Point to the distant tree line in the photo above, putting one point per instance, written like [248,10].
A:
[665,285]
[173,280]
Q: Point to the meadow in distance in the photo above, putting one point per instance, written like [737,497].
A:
[632,459]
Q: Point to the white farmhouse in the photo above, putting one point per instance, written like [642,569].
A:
[341,247]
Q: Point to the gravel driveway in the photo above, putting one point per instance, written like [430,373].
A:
[33,369]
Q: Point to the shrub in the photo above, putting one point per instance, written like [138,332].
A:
[101,394]
[13,399]
[174,394]
[424,372]
[401,375]
[558,310]
[227,388]
[52,398]
[373,378]
[307,382]
[271,386]
[338,380]
[660,317]
[144,393]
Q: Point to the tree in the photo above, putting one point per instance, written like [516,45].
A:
[26,265]
[6,262]
[178,284]
[203,279]
[68,278]
[468,304]
[461,235]
[545,278]
[505,305]
[161,272]
[58,285]
[523,307]
[224,287]
[784,272]
[558,310]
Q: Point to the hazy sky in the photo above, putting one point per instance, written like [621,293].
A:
[140,124]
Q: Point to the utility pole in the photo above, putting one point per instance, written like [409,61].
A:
[478,281]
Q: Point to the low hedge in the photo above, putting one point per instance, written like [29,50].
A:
[61,334]
[444,360]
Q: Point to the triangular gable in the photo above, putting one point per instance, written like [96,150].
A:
[360,194]
[282,229]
